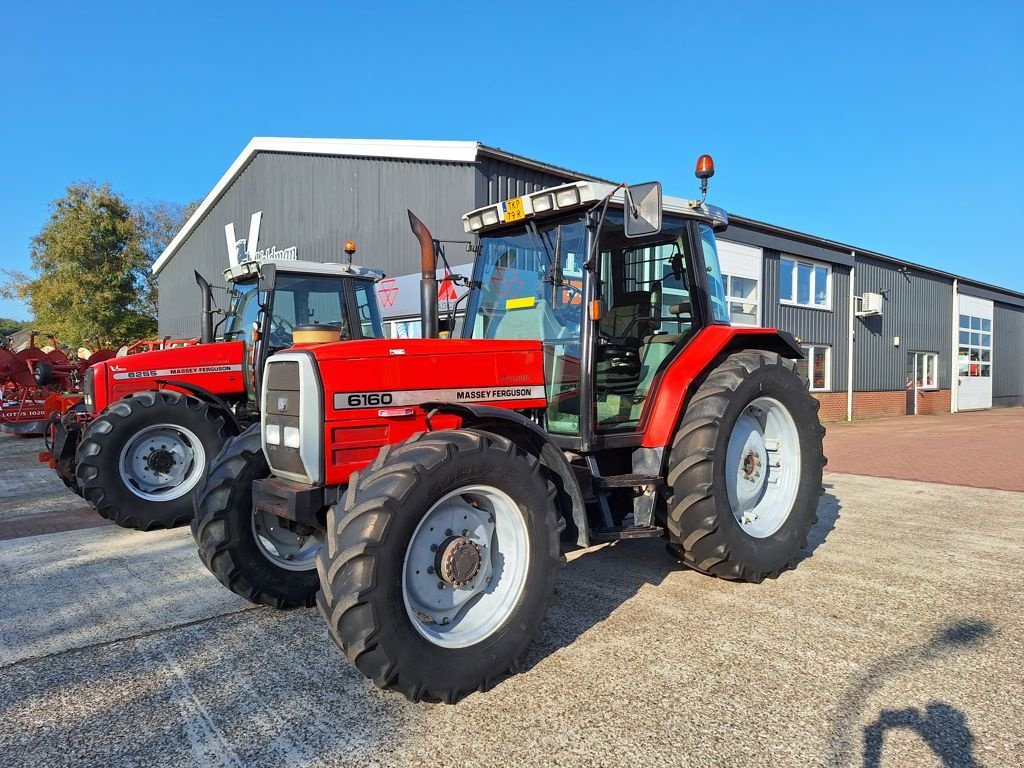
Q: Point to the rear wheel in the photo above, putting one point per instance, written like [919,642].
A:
[140,459]
[440,563]
[254,554]
[745,469]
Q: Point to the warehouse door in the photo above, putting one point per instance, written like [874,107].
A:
[974,359]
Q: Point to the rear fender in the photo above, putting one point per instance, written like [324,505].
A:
[529,436]
[686,370]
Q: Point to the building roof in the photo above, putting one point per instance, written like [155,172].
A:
[438,151]
[471,152]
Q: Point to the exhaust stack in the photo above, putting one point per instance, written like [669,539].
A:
[206,328]
[428,277]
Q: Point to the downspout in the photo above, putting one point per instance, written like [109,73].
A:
[849,341]
[428,277]
[954,378]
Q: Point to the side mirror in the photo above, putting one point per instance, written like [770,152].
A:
[268,274]
[643,209]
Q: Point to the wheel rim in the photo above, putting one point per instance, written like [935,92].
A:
[465,567]
[284,548]
[162,462]
[762,469]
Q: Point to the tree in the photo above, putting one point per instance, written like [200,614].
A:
[92,262]
[158,224]
[9,326]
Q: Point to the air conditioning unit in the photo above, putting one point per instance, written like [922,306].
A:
[870,305]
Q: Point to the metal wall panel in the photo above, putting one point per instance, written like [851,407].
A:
[1007,356]
[917,307]
[499,180]
[811,326]
[316,203]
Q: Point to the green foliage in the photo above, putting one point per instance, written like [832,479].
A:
[92,262]
[8,326]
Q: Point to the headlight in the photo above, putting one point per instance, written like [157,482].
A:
[89,389]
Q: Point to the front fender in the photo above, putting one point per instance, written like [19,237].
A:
[528,435]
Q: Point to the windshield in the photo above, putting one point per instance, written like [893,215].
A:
[530,282]
[242,312]
[302,299]
[716,287]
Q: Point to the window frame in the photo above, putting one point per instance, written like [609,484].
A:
[918,357]
[794,302]
[985,328]
[810,354]
[730,298]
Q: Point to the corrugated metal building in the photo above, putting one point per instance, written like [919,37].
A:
[882,336]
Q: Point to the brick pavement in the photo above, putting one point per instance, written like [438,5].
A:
[981,449]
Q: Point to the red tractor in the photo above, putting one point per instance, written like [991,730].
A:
[150,422]
[598,393]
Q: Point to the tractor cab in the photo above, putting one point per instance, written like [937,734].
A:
[275,301]
[612,280]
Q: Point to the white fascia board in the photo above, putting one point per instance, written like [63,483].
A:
[441,151]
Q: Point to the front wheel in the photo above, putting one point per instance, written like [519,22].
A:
[254,554]
[745,469]
[140,459]
[440,563]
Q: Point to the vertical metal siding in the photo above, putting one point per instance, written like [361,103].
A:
[1007,356]
[917,307]
[812,326]
[499,180]
[316,203]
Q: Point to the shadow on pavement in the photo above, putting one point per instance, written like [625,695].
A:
[942,727]
[828,515]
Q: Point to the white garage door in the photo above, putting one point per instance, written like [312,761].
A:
[974,360]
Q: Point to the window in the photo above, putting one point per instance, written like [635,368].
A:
[741,293]
[816,367]
[975,356]
[926,367]
[805,283]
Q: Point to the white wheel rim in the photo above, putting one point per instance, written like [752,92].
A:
[162,462]
[479,518]
[283,547]
[762,467]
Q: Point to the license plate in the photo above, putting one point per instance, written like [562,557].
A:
[514,209]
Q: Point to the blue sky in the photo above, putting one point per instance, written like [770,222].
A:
[891,126]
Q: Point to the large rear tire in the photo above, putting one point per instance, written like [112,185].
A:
[745,469]
[440,563]
[254,554]
[142,457]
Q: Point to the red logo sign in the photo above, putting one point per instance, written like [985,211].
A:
[387,292]
[506,282]
[446,290]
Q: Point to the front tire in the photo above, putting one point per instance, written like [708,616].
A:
[440,563]
[745,469]
[141,458]
[254,554]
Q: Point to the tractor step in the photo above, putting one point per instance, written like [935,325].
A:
[625,481]
[629,532]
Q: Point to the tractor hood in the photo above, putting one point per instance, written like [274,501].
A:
[214,367]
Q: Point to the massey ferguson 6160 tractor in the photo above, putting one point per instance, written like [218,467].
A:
[598,393]
[152,421]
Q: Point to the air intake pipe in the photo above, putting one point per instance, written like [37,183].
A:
[206,328]
[428,277]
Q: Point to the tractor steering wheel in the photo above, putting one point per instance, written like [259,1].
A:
[281,331]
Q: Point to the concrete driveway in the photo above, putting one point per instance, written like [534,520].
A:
[896,642]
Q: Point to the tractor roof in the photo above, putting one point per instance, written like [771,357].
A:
[580,194]
[242,271]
